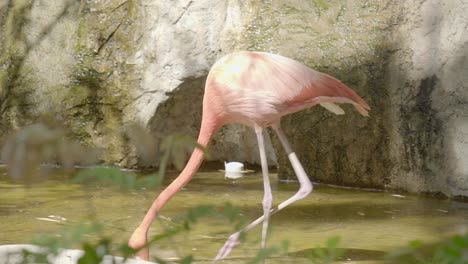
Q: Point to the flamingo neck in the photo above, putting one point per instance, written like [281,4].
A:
[206,133]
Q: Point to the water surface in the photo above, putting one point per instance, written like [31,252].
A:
[368,222]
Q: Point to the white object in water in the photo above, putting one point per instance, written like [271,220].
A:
[53,218]
[13,254]
[233,170]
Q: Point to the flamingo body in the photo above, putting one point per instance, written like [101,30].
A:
[255,89]
[259,88]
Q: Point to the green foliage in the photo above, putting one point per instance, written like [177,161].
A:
[94,253]
[270,252]
[328,254]
[68,236]
[34,257]
[262,254]
[186,260]
[90,238]
[232,214]
[113,176]
[452,251]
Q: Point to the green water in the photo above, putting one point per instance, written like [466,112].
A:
[368,222]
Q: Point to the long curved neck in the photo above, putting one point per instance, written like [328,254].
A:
[207,130]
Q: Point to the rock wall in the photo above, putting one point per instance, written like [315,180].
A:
[180,42]
[414,77]
[347,39]
[75,68]
[32,72]
[428,86]
[109,63]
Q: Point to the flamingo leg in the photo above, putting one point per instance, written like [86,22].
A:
[305,184]
[267,197]
[233,239]
[305,188]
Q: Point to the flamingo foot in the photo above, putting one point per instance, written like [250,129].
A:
[138,242]
[232,241]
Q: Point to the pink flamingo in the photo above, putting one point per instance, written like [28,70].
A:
[255,89]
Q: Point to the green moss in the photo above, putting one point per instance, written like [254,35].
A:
[100,84]
[321,4]
[83,73]
[12,56]
[320,7]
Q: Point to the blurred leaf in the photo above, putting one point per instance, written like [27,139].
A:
[192,215]
[106,176]
[328,254]
[284,246]
[452,251]
[89,256]
[333,242]
[199,211]
[415,244]
[150,181]
[34,257]
[94,253]
[114,176]
[460,241]
[68,236]
[186,260]
[178,147]
[145,143]
[126,251]
[232,213]
[172,231]
[263,254]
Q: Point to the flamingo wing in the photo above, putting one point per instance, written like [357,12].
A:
[286,82]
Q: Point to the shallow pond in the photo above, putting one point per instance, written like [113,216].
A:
[368,222]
